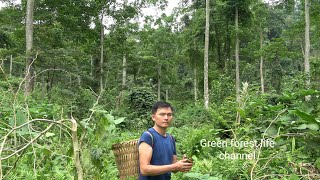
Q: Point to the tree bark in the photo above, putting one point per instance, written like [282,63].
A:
[29,44]
[237,63]
[227,45]
[76,150]
[159,82]
[92,65]
[43,86]
[195,84]
[307,47]
[167,95]
[221,61]
[206,58]
[10,69]
[124,59]
[237,57]
[261,62]
[124,71]
[101,53]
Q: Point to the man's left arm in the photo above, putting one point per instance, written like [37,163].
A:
[174,160]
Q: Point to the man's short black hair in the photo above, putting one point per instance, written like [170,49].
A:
[161,104]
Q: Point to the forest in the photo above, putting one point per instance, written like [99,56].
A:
[78,76]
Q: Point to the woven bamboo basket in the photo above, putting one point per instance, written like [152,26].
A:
[127,159]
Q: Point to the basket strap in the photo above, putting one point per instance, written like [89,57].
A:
[151,137]
[172,139]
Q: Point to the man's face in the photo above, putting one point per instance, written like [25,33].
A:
[162,117]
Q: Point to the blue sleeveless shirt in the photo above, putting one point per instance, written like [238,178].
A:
[163,149]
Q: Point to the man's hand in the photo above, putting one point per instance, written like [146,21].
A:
[183,165]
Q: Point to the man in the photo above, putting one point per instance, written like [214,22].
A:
[157,149]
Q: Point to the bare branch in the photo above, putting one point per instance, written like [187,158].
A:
[52,69]
[30,142]
[263,136]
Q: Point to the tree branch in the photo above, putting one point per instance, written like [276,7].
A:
[30,142]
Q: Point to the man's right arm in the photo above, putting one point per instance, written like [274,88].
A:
[146,169]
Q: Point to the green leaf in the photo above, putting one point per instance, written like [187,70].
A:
[293,177]
[313,126]
[193,175]
[272,131]
[110,117]
[293,144]
[21,117]
[302,126]
[49,134]
[205,176]
[308,92]
[23,132]
[317,163]
[303,115]
[241,112]
[120,120]
[213,178]
[285,118]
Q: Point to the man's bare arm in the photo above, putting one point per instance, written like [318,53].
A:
[145,154]
[174,160]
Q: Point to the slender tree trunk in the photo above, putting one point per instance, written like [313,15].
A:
[43,87]
[221,61]
[124,67]
[51,79]
[237,57]
[29,44]
[307,47]
[195,84]
[124,59]
[92,66]
[101,53]
[227,46]
[123,85]
[167,95]
[206,58]
[261,61]
[79,80]
[34,81]
[159,82]
[237,64]
[124,71]
[10,69]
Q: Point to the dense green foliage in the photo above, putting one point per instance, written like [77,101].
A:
[163,55]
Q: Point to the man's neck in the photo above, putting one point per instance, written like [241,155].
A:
[160,130]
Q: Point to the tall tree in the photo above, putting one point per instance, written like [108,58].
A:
[237,53]
[234,8]
[29,44]
[101,53]
[261,61]
[307,46]
[237,60]
[193,42]
[206,57]
[259,10]
[124,58]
